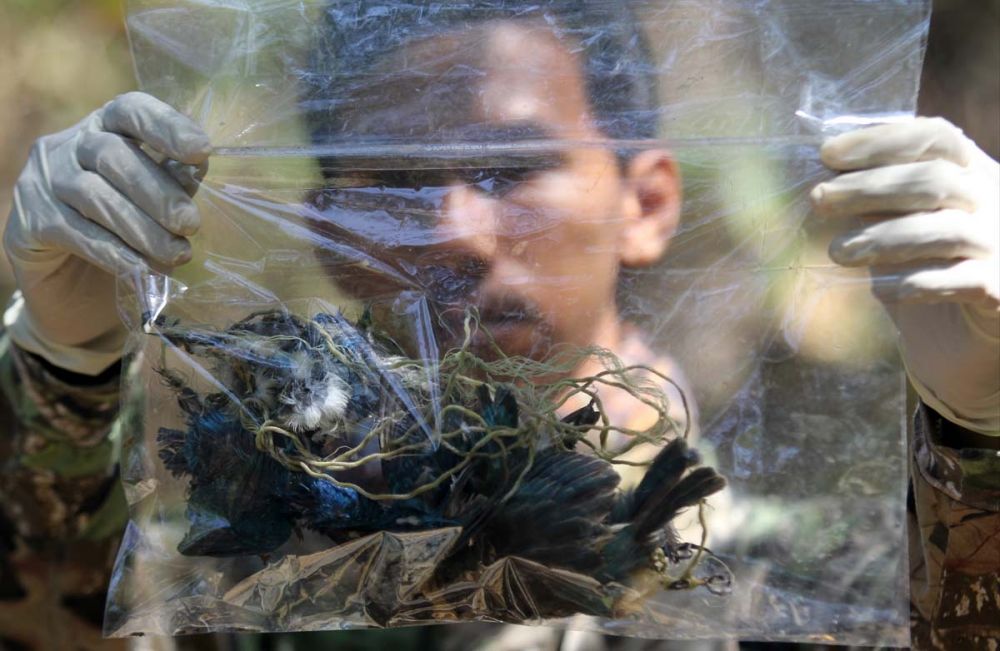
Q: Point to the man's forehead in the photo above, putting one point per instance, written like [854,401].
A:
[462,83]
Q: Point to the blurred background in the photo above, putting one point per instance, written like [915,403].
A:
[61,59]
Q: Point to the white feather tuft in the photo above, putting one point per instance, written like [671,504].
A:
[337,395]
[325,407]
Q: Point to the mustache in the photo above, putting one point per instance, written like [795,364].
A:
[492,309]
[506,307]
[445,285]
[452,291]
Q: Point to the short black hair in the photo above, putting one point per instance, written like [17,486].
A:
[618,68]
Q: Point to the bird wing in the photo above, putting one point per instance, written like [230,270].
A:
[556,514]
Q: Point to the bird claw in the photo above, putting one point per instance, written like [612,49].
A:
[681,552]
[715,576]
[720,584]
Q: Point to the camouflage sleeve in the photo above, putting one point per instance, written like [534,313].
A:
[61,504]
[954,525]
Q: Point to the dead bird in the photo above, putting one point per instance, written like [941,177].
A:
[564,508]
[270,368]
[241,501]
[281,368]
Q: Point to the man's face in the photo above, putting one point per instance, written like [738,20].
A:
[532,238]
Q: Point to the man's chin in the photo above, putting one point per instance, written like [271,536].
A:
[511,337]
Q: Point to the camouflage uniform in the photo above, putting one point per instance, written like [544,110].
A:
[62,505]
[954,527]
[63,509]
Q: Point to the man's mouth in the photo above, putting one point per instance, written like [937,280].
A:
[508,310]
[501,317]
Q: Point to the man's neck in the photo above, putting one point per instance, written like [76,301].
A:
[608,335]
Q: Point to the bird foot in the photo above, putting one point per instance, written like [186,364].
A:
[704,569]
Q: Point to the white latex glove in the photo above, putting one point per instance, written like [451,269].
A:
[91,204]
[927,203]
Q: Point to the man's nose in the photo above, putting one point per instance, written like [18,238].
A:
[467,226]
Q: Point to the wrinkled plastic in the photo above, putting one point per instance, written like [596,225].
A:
[381,169]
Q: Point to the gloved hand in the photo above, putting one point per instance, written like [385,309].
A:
[927,203]
[90,204]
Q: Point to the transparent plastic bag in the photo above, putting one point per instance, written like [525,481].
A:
[466,270]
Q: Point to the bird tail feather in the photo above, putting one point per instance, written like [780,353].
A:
[664,506]
[667,488]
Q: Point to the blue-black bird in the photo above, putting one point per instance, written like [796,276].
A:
[234,502]
[566,510]
[277,368]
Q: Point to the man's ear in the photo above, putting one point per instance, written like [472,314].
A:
[652,207]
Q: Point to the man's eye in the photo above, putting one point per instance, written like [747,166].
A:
[413,179]
[349,180]
[497,181]
[500,181]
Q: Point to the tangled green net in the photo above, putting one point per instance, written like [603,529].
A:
[541,389]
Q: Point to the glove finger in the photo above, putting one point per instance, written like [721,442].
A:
[914,187]
[148,120]
[139,179]
[941,235]
[964,281]
[921,139]
[89,241]
[94,198]
[188,176]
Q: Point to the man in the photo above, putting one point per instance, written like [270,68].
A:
[534,240]
[91,203]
